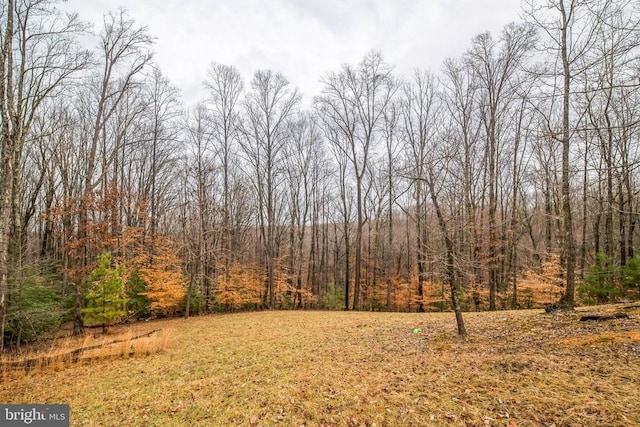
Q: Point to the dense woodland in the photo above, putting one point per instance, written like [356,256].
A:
[505,179]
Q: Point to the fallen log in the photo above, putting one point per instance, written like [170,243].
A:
[600,317]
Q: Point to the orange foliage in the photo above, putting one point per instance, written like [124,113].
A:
[91,226]
[546,287]
[283,288]
[286,291]
[243,287]
[405,295]
[307,297]
[88,226]
[432,295]
[161,269]
[247,285]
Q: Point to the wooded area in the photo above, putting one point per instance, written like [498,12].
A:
[506,179]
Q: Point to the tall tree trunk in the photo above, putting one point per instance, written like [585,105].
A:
[357,264]
[451,267]
[585,189]
[7,171]
[568,298]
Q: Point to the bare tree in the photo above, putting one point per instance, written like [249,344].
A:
[124,53]
[344,207]
[163,111]
[460,99]
[225,89]
[353,103]
[522,117]
[440,161]
[201,168]
[495,64]
[606,83]
[269,106]
[38,54]
[391,132]
[303,156]
[570,34]
[419,115]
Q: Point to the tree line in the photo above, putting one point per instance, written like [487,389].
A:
[448,189]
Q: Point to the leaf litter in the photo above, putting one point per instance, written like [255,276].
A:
[295,368]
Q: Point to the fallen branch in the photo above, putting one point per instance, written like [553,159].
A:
[70,357]
[77,352]
[600,317]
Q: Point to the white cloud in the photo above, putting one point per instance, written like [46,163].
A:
[303,39]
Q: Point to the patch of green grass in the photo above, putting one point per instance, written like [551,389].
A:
[354,368]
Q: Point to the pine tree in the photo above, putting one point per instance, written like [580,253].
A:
[600,281]
[106,299]
[138,303]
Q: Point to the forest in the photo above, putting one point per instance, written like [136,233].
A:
[505,179]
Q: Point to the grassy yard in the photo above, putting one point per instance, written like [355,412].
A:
[295,368]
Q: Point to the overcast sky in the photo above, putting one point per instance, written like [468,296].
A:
[303,39]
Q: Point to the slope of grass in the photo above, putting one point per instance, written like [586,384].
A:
[360,369]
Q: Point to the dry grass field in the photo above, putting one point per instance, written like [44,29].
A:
[520,368]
